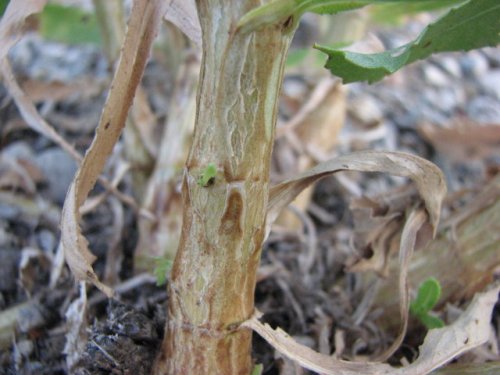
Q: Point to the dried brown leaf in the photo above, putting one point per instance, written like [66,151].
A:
[142,28]
[440,346]
[307,357]
[428,178]
[12,23]
[183,14]
[470,330]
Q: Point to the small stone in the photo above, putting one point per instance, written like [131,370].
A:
[58,169]
[474,64]
[18,150]
[366,110]
[46,240]
[451,66]
[490,83]
[484,109]
[435,76]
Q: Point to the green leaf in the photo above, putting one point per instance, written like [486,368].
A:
[257,369]
[427,297]
[3,5]
[208,175]
[474,24]
[280,11]
[393,13]
[69,25]
[430,321]
[162,267]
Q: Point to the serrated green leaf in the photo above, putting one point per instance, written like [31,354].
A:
[427,297]
[69,25]
[430,321]
[474,24]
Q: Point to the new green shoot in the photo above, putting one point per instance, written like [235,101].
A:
[208,175]
[427,297]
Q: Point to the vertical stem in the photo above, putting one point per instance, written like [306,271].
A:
[213,278]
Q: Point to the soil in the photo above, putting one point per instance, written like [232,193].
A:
[318,307]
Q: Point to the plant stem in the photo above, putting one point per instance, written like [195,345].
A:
[212,284]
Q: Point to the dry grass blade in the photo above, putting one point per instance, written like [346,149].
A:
[428,178]
[414,223]
[12,23]
[470,330]
[142,28]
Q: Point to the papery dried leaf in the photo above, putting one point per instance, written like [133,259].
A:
[183,14]
[12,23]
[142,28]
[309,358]
[428,178]
[470,330]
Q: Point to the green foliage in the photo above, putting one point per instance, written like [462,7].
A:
[257,369]
[162,267]
[279,11]
[474,24]
[3,5]
[393,13]
[208,175]
[427,297]
[69,25]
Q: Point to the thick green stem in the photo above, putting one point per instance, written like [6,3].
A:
[214,274]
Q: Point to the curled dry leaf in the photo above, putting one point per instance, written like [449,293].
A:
[430,184]
[183,14]
[428,178]
[142,28]
[440,346]
[12,23]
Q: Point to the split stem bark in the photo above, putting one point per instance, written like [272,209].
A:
[211,290]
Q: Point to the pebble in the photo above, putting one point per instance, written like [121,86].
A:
[58,169]
[490,83]
[484,109]
[435,76]
[450,65]
[44,60]
[46,241]
[18,150]
[474,63]
[365,109]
